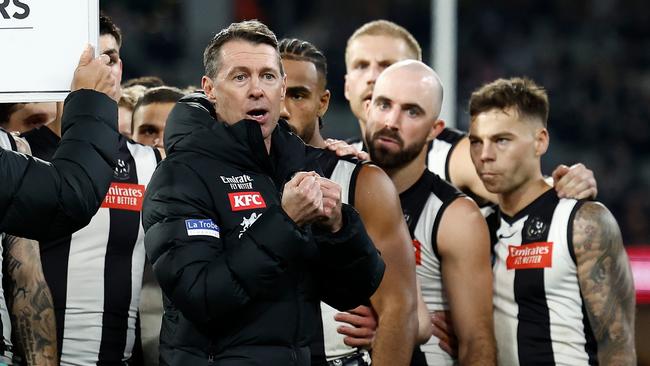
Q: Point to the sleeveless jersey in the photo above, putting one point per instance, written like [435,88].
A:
[343,171]
[424,204]
[539,314]
[95,274]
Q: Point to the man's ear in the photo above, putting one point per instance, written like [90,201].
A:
[324,103]
[436,129]
[346,87]
[208,87]
[542,139]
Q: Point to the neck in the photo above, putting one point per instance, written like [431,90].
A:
[512,202]
[267,144]
[405,177]
[362,127]
[317,139]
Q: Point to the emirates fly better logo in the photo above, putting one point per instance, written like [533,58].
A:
[124,196]
[528,256]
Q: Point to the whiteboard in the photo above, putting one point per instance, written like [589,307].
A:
[40,45]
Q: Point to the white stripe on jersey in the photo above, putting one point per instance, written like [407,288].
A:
[4,140]
[437,158]
[82,334]
[85,292]
[560,285]
[334,346]
[143,156]
[430,276]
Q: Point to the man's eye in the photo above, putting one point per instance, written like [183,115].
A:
[239,77]
[268,76]
[297,97]
[413,112]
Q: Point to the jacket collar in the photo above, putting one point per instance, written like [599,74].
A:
[193,126]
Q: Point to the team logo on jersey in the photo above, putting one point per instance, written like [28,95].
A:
[246,201]
[122,170]
[535,228]
[124,196]
[203,227]
[529,256]
[238,182]
[248,221]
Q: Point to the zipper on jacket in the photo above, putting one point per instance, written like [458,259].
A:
[210,353]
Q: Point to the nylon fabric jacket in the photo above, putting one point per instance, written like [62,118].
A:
[242,282]
[45,201]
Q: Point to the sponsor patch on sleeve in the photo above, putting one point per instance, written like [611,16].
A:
[529,256]
[203,227]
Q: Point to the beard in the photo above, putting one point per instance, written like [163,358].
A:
[386,159]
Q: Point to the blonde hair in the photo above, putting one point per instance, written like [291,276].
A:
[386,28]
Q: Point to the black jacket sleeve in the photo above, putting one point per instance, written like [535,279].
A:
[44,201]
[210,278]
[351,268]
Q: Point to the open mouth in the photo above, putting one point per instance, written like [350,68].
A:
[257,114]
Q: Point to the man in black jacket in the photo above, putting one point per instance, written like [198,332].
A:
[45,201]
[245,238]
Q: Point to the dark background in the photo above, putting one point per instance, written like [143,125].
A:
[592,56]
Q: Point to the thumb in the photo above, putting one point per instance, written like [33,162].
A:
[559,172]
[87,55]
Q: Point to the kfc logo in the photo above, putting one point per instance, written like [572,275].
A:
[240,201]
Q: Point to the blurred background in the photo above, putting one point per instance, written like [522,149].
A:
[593,57]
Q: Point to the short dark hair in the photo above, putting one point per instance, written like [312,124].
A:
[6,110]
[252,31]
[106,26]
[523,94]
[146,81]
[299,50]
[161,94]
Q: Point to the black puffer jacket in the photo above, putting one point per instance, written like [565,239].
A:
[45,201]
[242,281]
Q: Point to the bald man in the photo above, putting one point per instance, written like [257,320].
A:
[448,231]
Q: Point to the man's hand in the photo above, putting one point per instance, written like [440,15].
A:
[363,321]
[94,73]
[342,148]
[331,215]
[443,330]
[575,182]
[302,198]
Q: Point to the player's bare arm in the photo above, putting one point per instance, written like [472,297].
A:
[606,283]
[30,302]
[395,299]
[467,278]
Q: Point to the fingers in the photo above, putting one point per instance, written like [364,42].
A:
[356,332]
[87,55]
[343,149]
[356,320]
[559,172]
[358,342]
[104,59]
[576,182]
[362,311]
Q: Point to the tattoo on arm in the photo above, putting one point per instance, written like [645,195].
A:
[30,302]
[606,283]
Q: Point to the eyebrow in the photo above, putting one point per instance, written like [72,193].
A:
[110,51]
[298,89]
[382,99]
[413,105]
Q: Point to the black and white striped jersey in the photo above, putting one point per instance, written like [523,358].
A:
[7,142]
[439,151]
[343,171]
[539,314]
[95,274]
[424,204]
